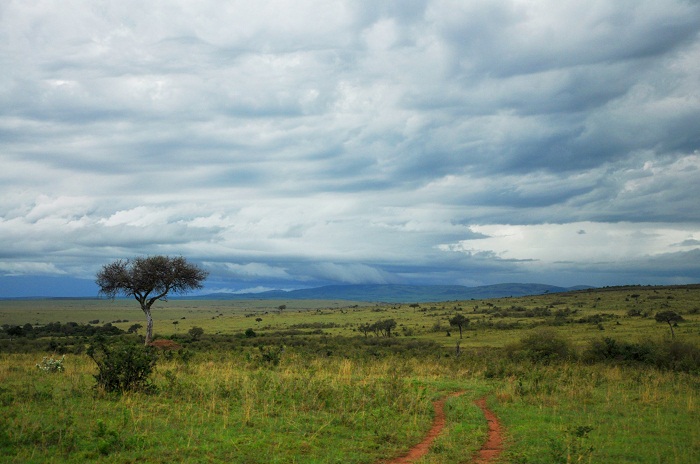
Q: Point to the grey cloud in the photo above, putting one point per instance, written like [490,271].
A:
[506,39]
[311,141]
[691,242]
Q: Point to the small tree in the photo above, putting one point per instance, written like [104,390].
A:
[148,280]
[460,321]
[384,327]
[669,317]
[365,328]
[196,332]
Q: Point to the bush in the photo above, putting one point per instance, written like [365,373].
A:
[49,364]
[665,354]
[122,366]
[543,346]
[609,349]
[196,332]
[270,356]
[676,356]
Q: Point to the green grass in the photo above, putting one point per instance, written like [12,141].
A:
[337,396]
[574,413]
[320,410]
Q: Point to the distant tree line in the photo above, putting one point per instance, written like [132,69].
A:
[57,329]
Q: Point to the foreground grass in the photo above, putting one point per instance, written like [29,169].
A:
[575,413]
[224,407]
[214,410]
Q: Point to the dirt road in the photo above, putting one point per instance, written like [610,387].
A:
[488,452]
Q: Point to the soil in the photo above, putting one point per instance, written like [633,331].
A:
[165,344]
[494,443]
[488,452]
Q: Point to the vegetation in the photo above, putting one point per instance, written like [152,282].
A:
[669,317]
[460,321]
[574,377]
[148,280]
[121,366]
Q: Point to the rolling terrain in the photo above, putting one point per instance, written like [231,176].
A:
[396,293]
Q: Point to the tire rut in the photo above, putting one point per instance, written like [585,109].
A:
[488,452]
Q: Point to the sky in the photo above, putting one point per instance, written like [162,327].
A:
[295,144]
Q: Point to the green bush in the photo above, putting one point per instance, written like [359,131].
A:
[676,356]
[609,349]
[665,354]
[543,346]
[122,366]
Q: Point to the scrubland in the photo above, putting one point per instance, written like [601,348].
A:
[586,376]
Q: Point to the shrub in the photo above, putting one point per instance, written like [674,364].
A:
[134,328]
[267,357]
[48,364]
[196,332]
[609,349]
[543,346]
[676,356]
[666,354]
[122,366]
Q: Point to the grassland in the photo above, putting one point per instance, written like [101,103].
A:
[336,395]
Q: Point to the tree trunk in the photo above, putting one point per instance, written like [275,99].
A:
[149,324]
[673,336]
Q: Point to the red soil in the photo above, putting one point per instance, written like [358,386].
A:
[494,443]
[488,452]
[165,344]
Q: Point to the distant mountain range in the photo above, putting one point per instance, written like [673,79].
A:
[395,293]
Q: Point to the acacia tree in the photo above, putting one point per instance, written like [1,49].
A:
[386,326]
[460,321]
[669,317]
[149,279]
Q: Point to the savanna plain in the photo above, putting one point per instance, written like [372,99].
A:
[608,375]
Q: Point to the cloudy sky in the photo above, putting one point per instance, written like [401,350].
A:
[290,144]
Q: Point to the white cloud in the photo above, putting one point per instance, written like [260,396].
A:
[18,268]
[311,142]
[551,243]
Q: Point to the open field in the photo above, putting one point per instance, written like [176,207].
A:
[336,394]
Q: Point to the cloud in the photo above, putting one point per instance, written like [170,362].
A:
[18,268]
[691,242]
[350,273]
[289,144]
[544,248]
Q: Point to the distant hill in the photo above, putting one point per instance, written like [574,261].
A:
[395,293]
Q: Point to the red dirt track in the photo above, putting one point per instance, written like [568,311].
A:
[494,443]
[488,452]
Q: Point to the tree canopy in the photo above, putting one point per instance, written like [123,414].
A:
[460,321]
[669,317]
[149,279]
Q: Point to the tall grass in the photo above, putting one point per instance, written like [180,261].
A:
[218,408]
[617,390]
[580,413]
